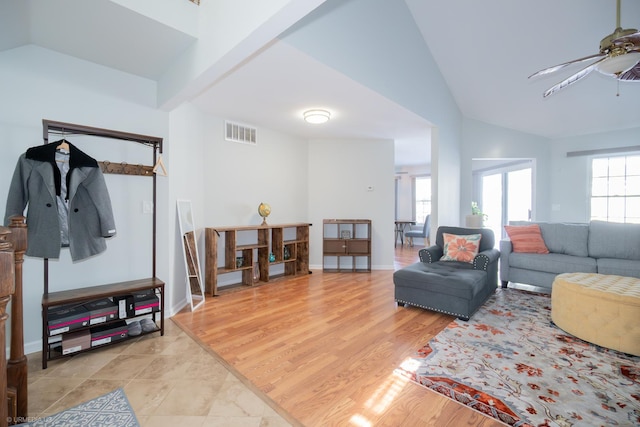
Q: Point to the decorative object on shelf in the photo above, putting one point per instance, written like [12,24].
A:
[264,210]
[345,234]
[239,261]
[272,257]
[287,253]
[477,218]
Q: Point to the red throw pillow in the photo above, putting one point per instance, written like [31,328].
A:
[526,238]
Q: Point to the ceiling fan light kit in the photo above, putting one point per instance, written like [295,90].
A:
[617,65]
[619,57]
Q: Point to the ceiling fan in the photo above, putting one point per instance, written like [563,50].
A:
[619,57]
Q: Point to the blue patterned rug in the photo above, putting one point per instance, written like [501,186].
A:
[110,410]
[512,363]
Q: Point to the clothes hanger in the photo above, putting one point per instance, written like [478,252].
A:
[64,144]
[159,165]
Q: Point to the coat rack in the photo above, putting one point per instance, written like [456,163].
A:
[49,127]
[62,297]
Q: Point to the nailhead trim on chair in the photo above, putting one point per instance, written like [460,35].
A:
[476,262]
[422,253]
[461,316]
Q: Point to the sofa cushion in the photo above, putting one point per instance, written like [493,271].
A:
[462,248]
[526,238]
[614,240]
[619,267]
[568,239]
[553,263]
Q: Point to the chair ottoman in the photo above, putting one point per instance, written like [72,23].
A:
[442,287]
[598,308]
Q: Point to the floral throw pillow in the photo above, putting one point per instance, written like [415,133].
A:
[460,248]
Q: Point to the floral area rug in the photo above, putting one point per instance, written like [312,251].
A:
[109,410]
[512,363]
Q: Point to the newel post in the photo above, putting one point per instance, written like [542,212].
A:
[7,286]
[17,363]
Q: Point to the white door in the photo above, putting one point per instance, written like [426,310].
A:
[506,196]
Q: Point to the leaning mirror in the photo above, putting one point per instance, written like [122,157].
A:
[195,287]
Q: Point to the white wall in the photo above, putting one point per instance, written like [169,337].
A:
[230,31]
[340,172]
[238,177]
[569,189]
[186,168]
[45,84]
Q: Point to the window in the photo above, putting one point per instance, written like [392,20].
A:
[615,189]
[422,198]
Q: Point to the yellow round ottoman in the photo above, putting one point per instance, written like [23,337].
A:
[598,308]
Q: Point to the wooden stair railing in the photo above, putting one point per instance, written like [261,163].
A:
[17,363]
[7,286]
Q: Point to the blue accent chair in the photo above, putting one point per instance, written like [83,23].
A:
[423,232]
[451,287]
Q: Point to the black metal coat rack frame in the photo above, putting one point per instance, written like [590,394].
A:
[53,127]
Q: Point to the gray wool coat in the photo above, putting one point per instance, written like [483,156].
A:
[36,183]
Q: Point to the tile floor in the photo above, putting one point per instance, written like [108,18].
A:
[169,381]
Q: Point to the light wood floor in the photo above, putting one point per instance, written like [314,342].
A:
[323,348]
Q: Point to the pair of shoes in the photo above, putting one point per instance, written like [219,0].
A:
[135,328]
[148,325]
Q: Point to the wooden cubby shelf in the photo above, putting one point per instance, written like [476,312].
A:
[247,249]
[346,245]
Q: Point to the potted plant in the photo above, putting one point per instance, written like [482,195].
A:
[476,219]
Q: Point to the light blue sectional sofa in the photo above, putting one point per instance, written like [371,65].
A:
[596,247]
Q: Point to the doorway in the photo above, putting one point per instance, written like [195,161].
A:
[505,193]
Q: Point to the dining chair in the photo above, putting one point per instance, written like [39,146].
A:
[422,231]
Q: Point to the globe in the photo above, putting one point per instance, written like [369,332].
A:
[264,210]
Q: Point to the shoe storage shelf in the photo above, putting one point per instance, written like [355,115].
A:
[255,253]
[346,245]
[80,320]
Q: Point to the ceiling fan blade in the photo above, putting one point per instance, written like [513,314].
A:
[572,79]
[631,75]
[561,66]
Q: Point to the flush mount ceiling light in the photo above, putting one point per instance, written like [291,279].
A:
[316,116]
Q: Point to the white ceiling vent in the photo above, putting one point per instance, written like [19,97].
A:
[239,133]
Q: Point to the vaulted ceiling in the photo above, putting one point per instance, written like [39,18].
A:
[485,51]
